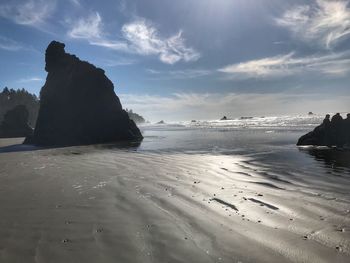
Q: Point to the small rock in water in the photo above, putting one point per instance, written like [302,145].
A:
[305,237]
[339,248]
[66,240]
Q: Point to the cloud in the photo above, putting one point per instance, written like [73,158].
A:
[187,106]
[324,21]
[139,37]
[75,2]
[336,64]
[29,13]
[144,38]
[31,79]
[116,62]
[9,44]
[87,28]
[179,74]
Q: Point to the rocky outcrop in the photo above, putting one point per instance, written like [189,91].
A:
[15,123]
[334,132]
[137,118]
[78,104]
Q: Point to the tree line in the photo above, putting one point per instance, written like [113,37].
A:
[10,98]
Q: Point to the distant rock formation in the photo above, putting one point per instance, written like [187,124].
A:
[334,132]
[224,118]
[160,122]
[78,104]
[15,123]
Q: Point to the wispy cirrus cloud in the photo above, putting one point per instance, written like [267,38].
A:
[29,12]
[75,2]
[87,28]
[179,74]
[144,38]
[336,64]
[30,79]
[9,44]
[324,21]
[116,62]
[139,37]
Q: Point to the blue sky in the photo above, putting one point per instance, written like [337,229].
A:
[191,59]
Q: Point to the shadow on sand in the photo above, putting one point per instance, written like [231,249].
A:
[18,147]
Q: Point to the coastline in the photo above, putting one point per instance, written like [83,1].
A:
[84,204]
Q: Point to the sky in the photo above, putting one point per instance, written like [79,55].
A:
[191,59]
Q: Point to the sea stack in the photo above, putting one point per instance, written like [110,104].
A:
[332,132]
[78,105]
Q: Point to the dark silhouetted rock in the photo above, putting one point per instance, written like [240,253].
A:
[161,122]
[223,118]
[334,132]
[310,113]
[15,123]
[135,117]
[78,105]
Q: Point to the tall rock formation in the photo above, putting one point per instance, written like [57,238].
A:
[78,104]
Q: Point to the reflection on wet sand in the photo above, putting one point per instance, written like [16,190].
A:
[331,157]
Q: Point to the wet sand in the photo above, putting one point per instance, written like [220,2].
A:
[95,204]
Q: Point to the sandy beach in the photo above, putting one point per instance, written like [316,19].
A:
[99,204]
